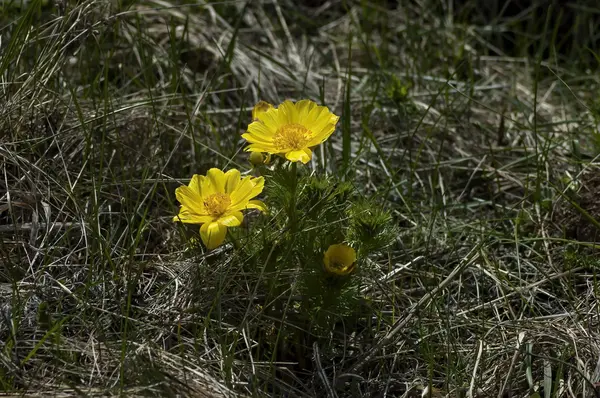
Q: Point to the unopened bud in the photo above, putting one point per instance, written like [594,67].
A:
[257,159]
[260,109]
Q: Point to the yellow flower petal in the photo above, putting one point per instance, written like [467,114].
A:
[213,234]
[271,119]
[322,136]
[287,112]
[195,183]
[261,148]
[304,107]
[206,187]
[217,179]
[242,191]
[259,185]
[323,126]
[190,199]
[189,217]
[257,204]
[259,132]
[232,220]
[232,179]
[303,155]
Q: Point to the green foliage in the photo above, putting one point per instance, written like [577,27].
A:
[371,228]
[109,105]
[574,257]
[296,287]
[397,90]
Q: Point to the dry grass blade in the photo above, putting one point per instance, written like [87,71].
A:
[477,129]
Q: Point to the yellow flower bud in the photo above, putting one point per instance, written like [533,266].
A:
[259,109]
[340,259]
[258,159]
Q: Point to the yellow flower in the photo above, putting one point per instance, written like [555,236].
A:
[290,130]
[216,200]
[340,259]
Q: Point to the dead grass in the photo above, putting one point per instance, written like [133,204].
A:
[488,165]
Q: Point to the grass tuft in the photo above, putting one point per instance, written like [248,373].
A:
[464,170]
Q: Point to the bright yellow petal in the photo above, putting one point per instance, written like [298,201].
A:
[249,188]
[242,194]
[257,204]
[232,179]
[217,179]
[322,114]
[260,137]
[259,185]
[272,120]
[232,220]
[261,148]
[213,234]
[190,199]
[304,107]
[321,122]
[321,136]
[302,155]
[259,132]
[195,183]
[287,113]
[206,187]
[188,217]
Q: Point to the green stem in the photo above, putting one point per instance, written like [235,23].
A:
[234,242]
[294,190]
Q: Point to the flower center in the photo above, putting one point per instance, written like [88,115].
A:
[340,266]
[217,204]
[291,136]
[338,263]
